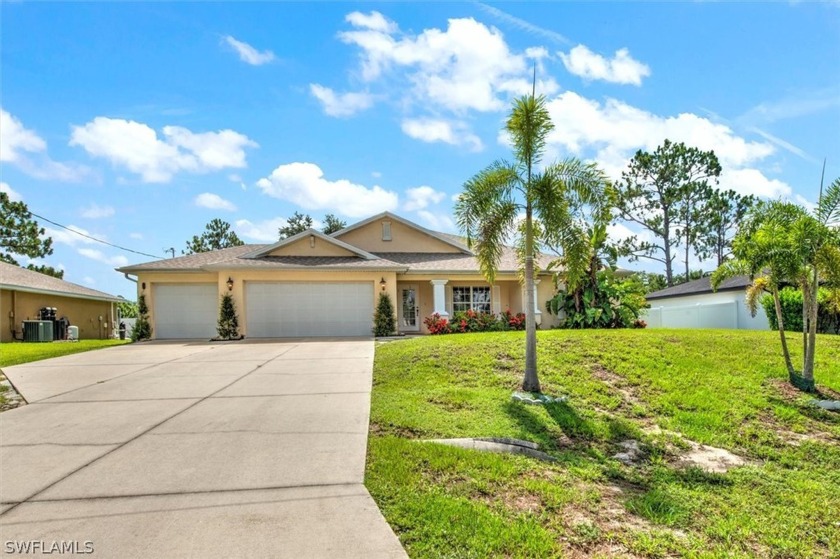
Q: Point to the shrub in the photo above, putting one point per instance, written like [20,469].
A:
[472,321]
[607,303]
[384,321]
[142,329]
[228,325]
[436,324]
[828,319]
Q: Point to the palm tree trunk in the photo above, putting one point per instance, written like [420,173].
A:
[781,323]
[808,366]
[531,383]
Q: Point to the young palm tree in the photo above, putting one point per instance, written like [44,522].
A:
[782,242]
[490,209]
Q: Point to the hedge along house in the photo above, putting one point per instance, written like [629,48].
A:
[695,305]
[24,292]
[314,284]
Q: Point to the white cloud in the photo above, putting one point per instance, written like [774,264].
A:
[437,130]
[249,54]
[137,147]
[264,231]
[69,238]
[137,236]
[622,68]
[611,132]
[213,202]
[524,25]
[14,195]
[304,184]
[422,197]
[15,138]
[89,280]
[376,175]
[98,255]
[341,104]
[95,211]
[373,21]
[436,221]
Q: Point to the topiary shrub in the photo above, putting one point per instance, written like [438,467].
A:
[142,328]
[828,319]
[228,325]
[384,321]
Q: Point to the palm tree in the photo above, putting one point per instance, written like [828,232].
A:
[490,209]
[783,243]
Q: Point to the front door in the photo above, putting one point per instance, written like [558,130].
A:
[409,309]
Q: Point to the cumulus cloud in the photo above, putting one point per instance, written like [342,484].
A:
[15,138]
[304,185]
[373,21]
[437,130]
[436,221]
[341,104]
[95,211]
[70,238]
[214,202]
[621,68]
[98,255]
[16,144]
[265,231]
[422,197]
[137,147]
[249,54]
[13,195]
[612,131]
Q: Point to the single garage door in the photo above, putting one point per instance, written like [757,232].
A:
[278,310]
[186,311]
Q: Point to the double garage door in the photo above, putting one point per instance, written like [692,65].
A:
[280,310]
[273,310]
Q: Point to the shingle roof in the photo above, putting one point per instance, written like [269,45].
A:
[702,285]
[449,262]
[192,262]
[14,277]
[307,262]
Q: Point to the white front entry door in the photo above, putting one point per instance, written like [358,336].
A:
[292,310]
[409,309]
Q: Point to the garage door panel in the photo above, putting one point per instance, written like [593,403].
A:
[308,309]
[185,311]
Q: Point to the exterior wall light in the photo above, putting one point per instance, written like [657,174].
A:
[230,284]
[382,283]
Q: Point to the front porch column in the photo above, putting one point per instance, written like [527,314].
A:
[439,292]
[537,311]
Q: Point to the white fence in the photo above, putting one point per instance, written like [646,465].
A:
[713,315]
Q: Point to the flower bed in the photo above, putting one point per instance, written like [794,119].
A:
[471,321]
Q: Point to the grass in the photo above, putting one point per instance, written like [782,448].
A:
[19,353]
[720,388]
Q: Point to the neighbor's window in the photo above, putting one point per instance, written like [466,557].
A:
[475,298]
[386,230]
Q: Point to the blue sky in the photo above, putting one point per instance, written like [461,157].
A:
[139,123]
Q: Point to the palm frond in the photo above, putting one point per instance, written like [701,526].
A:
[755,291]
[529,125]
[729,269]
[828,208]
[482,194]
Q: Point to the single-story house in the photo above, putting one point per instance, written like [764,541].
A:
[314,284]
[695,305]
[23,293]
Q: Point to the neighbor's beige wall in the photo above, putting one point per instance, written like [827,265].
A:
[83,313]
[303,247]
[403,239]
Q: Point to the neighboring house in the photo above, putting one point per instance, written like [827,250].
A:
[695,305]
[23,293]
[314,284]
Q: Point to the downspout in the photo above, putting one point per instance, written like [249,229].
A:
[128,278]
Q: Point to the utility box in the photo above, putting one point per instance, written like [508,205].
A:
[73,333]
[37,331]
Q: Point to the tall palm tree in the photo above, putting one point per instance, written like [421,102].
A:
[490,209]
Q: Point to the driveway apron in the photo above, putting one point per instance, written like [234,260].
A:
[182,449]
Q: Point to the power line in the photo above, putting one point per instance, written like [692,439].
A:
[94,238]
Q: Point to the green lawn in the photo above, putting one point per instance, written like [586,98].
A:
[16,353]
[721,388]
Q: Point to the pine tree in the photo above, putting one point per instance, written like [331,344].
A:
[228,325]
[142,329]
[384,321]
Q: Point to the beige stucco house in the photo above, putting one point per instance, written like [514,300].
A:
[24,292]
[314,284]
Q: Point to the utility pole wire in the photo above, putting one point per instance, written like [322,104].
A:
[93,238]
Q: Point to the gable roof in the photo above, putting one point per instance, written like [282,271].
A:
[434,234]
[16,278]
[191,262]
[266,250]
[699,286]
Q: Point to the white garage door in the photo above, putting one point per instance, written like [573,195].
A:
[186,311]
[278,310]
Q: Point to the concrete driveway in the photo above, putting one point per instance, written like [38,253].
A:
[247,449]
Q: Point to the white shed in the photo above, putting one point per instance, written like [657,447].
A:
[695,305]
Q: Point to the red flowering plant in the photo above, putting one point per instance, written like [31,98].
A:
[436,324]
